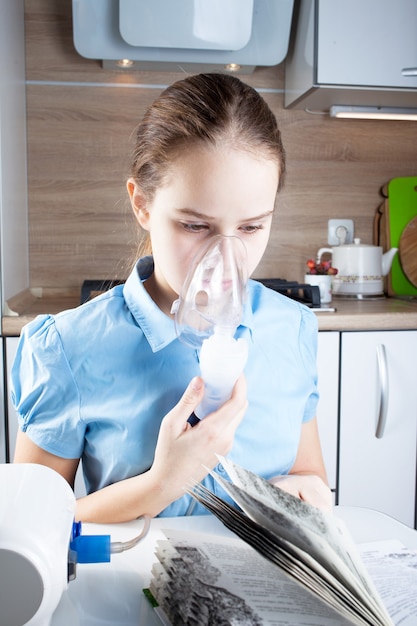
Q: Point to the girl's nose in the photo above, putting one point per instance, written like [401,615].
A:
[226,231]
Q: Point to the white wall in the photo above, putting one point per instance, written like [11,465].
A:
[13,170]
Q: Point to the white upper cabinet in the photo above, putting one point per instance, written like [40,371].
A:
[367,43]
[353,53]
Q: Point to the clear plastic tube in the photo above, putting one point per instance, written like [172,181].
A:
[121,546]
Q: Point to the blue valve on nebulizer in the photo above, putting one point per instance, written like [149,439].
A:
[208,312]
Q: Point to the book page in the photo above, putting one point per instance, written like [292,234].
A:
[393,569]
[208,574]
[319,535]
[299,513]
[357,606]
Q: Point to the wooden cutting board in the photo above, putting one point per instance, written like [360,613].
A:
[408,251]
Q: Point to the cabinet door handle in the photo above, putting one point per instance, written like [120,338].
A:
[383,398]
[409,71]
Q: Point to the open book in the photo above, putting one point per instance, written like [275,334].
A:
[295,565]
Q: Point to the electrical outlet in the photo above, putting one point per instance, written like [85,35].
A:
[340,232]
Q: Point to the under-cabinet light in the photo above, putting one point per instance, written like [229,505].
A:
[125,63]
[373,113]
[232,67]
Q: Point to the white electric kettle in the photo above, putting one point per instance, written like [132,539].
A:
[360,268]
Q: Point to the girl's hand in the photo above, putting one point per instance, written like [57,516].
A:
[310,488]
[183,452]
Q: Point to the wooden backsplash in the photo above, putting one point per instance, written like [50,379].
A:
[80,119]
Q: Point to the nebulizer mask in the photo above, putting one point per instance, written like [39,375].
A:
[208,312]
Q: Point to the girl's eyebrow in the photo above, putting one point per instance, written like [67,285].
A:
[210,218]
[258,218]
[193,213]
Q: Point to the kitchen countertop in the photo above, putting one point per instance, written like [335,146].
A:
[350,314]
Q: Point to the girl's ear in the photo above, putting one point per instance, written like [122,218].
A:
[139,203]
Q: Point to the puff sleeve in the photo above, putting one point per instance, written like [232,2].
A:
[44,391]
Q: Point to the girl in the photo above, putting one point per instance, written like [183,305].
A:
[105,382]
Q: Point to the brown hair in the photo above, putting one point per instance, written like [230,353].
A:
[205,108]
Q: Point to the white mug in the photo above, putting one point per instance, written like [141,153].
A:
[324,282]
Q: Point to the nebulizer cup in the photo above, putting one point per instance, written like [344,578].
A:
[208,312]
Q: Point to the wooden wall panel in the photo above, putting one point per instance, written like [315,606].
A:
[80,118]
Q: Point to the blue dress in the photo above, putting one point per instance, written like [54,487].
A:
[94,382]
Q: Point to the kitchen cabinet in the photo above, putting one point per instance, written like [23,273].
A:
[377,468]
[352,53]
[327,411]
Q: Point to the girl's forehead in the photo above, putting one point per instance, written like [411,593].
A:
[208,181]
[221,155]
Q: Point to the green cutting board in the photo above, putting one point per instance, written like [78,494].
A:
[402,197]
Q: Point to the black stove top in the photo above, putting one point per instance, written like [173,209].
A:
[307,294]
[92,288]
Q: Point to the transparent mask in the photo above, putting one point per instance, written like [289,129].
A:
[208,312]
[214,291]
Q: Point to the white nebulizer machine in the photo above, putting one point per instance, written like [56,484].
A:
[41,545]
[208,312]
[36,514]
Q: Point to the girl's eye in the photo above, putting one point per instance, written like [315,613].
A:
[251,229]
[193,227]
